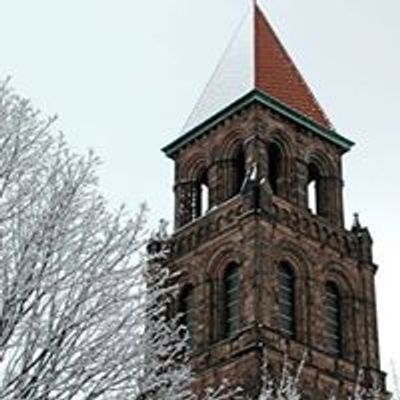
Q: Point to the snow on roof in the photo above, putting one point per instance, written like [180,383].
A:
[255,59]
[233,77]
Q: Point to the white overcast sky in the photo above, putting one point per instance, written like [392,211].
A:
[123,75]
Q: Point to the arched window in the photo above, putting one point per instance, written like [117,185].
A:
[239,170]
[286,300]
[333,319]
[275,167]
[231,300]
[186,308]
[201,195]
[314,190]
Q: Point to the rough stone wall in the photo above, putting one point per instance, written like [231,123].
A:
[258,230]
[256,128]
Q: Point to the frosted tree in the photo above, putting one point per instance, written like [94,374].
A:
[82,315]
[396,383]
[167,374]
[68,273]
[283,387]
[287,386]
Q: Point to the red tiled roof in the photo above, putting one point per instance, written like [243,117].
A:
[276,74]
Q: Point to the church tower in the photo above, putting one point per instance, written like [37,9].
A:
[268,268]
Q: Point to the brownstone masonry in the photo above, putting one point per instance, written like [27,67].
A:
[268,267]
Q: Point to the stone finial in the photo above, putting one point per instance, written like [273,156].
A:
[364,239]
[356,223]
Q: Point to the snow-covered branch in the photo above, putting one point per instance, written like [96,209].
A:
[82,314]
[67,308]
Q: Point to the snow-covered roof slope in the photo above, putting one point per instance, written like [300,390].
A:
[233,77]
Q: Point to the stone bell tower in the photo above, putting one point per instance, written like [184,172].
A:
[268,267]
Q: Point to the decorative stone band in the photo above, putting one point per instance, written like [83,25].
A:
[226,216]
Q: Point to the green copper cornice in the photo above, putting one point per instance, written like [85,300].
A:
[256,96]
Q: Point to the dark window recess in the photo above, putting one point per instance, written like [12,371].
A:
[231,300]
[239,171]
[286,300]
[333,320]
[275,161]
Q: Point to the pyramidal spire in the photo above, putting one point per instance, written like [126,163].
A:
[255,59]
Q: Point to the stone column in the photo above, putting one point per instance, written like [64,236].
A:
[213,183]
[301,181]
[184,202]
[333,188]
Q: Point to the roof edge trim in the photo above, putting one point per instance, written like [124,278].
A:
[263,98]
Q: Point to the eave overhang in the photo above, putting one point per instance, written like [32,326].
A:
[257,96]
